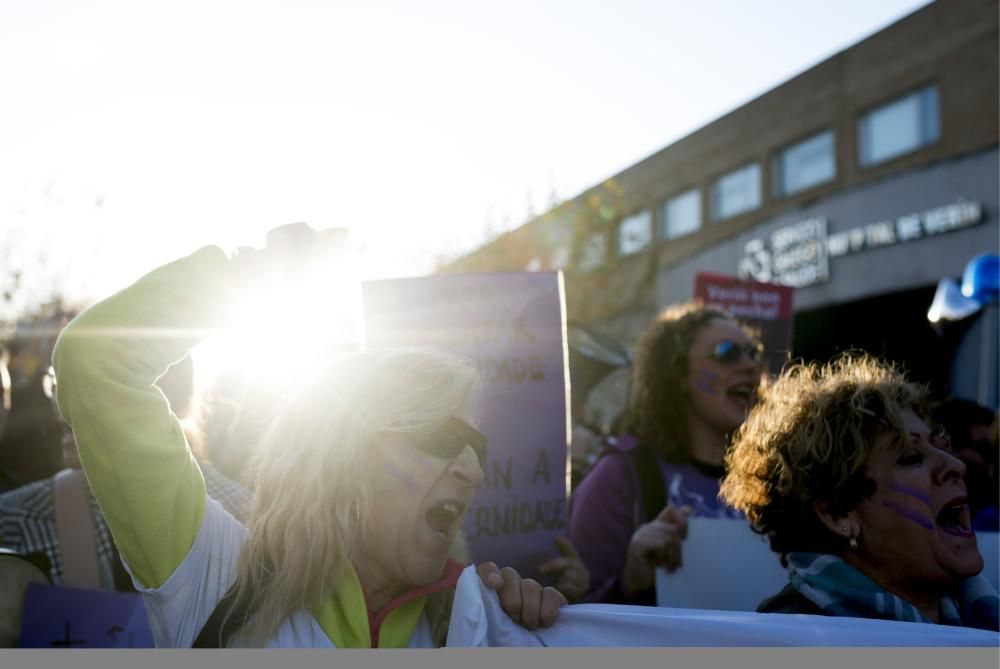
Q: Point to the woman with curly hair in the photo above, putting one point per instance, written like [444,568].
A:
[862,500]
[695,374]
[360,484]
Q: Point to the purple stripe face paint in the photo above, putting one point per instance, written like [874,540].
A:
[403,477]
[912,492]
[408,466]
[910,515]
[704,381]
[417,458]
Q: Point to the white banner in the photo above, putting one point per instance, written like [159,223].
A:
[727,566]
[478,620]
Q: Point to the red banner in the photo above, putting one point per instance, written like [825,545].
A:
[765,307]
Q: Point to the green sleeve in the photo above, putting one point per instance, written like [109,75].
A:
[132,447]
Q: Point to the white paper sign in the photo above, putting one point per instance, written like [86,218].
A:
[727,567]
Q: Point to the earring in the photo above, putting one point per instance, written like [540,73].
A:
[854,543]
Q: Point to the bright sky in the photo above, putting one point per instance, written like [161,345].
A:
[134,132]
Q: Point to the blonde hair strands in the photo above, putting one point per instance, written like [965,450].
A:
[312,498]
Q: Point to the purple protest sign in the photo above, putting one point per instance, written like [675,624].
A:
[512,326]
[58,617]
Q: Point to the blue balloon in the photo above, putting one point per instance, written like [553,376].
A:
[981,280]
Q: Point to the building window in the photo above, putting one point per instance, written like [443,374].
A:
[804,165]
[593,253]
[635,233]
[682,214]
[736,193]
[899,127]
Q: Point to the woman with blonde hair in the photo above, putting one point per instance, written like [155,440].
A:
[864,503]
[360,484]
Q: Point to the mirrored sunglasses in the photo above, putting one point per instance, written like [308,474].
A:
[729,352]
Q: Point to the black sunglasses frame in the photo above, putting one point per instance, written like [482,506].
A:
[452,437]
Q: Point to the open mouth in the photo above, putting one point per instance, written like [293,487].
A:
[956,518]
[443,519]
[742,392]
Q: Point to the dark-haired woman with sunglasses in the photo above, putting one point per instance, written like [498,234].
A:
[360,483]
[695,375]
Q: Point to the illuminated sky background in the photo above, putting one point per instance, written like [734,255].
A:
[134,132]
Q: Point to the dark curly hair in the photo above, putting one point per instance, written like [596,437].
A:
[657,406]
[807,439]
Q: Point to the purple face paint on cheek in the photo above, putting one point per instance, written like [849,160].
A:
[403,477]
[405,452]
[910,515]
[421,460]
[704,380]
[912,492]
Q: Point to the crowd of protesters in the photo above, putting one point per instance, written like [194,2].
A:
[330,515]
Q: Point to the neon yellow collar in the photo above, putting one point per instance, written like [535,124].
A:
[345,618]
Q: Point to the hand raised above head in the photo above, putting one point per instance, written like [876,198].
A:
[291,238]
[291,250]
[284,241]
[523,599]
[298,242]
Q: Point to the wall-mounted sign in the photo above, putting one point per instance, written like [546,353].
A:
[795,257]
[798,255]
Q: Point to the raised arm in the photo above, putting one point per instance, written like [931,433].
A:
[132,447]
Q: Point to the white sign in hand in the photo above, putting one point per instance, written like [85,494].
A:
[727,567]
